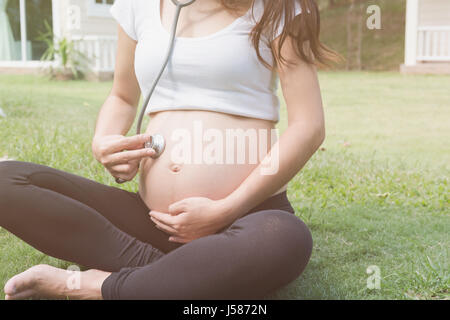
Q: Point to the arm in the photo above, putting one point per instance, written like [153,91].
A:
[117,116]
[119,110]
[302,138]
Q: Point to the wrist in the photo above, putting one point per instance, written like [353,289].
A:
[231,208]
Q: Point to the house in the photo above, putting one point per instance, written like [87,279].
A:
[90,25]
[87,22]
[427,45]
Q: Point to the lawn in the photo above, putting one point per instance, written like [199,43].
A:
[376,194]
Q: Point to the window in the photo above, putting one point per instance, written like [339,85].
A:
[20,24]
[99,8]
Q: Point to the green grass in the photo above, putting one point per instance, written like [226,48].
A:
[375,194]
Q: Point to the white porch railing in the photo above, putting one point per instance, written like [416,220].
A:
[100,50]
[433,43]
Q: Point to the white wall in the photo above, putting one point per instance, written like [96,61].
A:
[434,13]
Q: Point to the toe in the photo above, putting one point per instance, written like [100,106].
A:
[10,287]
[26,294]
[22,281]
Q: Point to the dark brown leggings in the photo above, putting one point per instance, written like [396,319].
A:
[79,220]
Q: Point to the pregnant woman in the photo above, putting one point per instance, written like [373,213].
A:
[209,220]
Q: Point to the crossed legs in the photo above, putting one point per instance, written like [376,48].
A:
[109,231]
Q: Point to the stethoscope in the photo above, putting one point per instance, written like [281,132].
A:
[157,141]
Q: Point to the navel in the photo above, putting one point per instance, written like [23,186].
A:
[175,168]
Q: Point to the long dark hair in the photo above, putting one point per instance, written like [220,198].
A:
[303,29]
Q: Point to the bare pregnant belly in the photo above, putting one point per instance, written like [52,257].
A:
[207,154]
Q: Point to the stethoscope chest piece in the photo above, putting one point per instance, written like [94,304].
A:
[156,143]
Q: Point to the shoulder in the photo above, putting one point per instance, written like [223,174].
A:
[128,13]
[133,6]
[123,4]
[124,13]
[259,8]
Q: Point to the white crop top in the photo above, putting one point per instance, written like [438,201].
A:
[219,72]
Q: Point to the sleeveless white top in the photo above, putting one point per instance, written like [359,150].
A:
[219,72]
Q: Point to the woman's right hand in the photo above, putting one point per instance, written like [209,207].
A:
[121,155]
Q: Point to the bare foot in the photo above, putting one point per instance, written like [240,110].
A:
[44,281]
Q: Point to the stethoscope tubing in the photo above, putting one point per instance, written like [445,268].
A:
[157,141]
[179,6]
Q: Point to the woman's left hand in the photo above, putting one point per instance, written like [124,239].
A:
[192,218]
